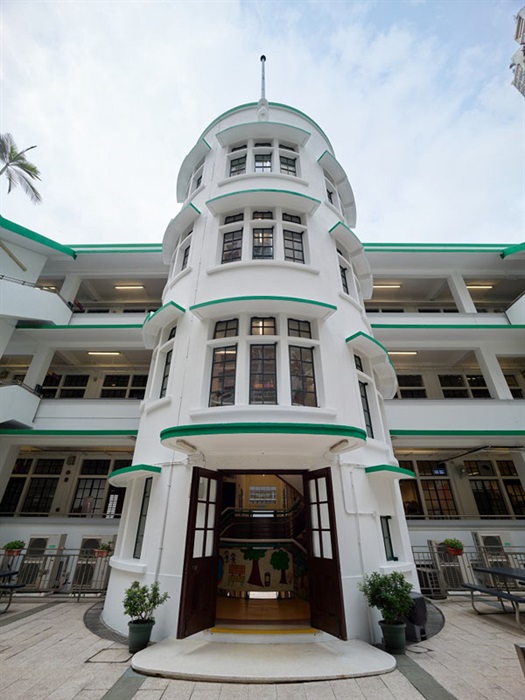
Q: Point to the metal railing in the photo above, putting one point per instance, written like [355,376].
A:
[440,573]
[23,385]
[74,572]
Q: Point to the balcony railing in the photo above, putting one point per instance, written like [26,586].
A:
[74,572]
[440,573]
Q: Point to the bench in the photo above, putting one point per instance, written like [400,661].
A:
[6,594]
[501,595]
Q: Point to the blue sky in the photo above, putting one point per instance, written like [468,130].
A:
[415,96]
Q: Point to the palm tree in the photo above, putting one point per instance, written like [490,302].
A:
[18,169]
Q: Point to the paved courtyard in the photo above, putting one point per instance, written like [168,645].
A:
[47,653]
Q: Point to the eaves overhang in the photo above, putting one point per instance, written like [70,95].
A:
[124,476]
[332,166]
[12,232]
[262,130]
[518,249]
[380,361]
[155,321]
[389,471]
[263,304]
[263,197]
[197,153]
[176,228]
[340,231]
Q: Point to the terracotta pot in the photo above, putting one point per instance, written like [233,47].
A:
[12,552]
[101,552]
[454,552]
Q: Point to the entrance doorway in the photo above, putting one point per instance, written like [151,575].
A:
[261,549]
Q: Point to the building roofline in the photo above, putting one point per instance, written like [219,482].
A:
[36,237]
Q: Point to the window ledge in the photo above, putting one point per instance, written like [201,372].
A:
[280,412]
[279,176]
[256,263]
[194,194]
[155,404]
[131,565]
[350,299]
[335,209]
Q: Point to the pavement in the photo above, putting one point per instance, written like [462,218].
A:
[47,652]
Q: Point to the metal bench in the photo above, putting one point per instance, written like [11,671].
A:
[515,599]
[6,594]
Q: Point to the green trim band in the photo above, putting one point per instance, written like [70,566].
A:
[433,247]
[263,298]
[262,189]
[457,432]
[67,432]
[136,468]
[94,248]
[76,328]
[388,468]
[511,250]
[341,431]
[369,337]
[165,306]
[36,237]
[470,326]
[341,223]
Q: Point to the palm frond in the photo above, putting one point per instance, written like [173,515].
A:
[28,187]
[18,169]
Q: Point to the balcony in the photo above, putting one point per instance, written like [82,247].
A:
[18,404]
[88,414]
[21,300]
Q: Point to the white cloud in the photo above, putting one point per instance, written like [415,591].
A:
[115,94]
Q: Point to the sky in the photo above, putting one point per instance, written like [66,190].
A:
[415,96]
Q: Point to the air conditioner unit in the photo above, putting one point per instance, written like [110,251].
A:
[91,572]
[490,548]
[43,566]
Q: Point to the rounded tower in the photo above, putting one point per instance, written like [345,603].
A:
[262,462]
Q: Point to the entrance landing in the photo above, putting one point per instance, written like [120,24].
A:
[199,659]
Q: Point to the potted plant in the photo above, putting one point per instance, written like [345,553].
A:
[454,546]
[13,548]
[390,594]
[140,603]
[104,550]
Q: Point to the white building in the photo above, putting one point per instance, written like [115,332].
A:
[518,59]
[229,401]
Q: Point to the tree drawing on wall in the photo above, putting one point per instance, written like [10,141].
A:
[253,555]
[280,561]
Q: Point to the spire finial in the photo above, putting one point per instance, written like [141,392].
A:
[263,111]
[263,85]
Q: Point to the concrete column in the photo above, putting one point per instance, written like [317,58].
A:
[39,366]
[6,331]
[461,294]
[70,286]
[493,374]
[8,454]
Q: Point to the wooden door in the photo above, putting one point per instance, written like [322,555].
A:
[324,572]
[201,559]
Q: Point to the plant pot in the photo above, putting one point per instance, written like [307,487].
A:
[12,552]
[139,635]
[454,552]
[101,553]
[394,636]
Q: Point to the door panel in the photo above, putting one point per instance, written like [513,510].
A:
[201,559]
[324,572]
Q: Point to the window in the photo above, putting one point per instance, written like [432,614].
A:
[288,165]
[185,257]
[459,386]
[387,538]
[262,326]
[514,386]
[233,218]
[263,163]
[226,329]
[358,363]
[139,538]
[222,389]
[262,215]
[165,374]
[366,409]
[330,196]
[438,497]
[302,376]
[196,180]
[237,166]
[89,496]
[95,467]
[516,495]
[293,246]
[39,496]
[344,279]
[263,495]
[488,496]
[263,374]
[496,494]
[231,246]
[124,386]
[411,386]
[292,218]
[299,329]
[262,243]
[69,386]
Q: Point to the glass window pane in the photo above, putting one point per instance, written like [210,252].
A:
[213,491]
[209,544]
[323,494]
[327,544]
[314,516]
[324,515]
[316,544]
[198,544]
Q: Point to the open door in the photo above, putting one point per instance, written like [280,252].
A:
[201,559]
[326,593]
